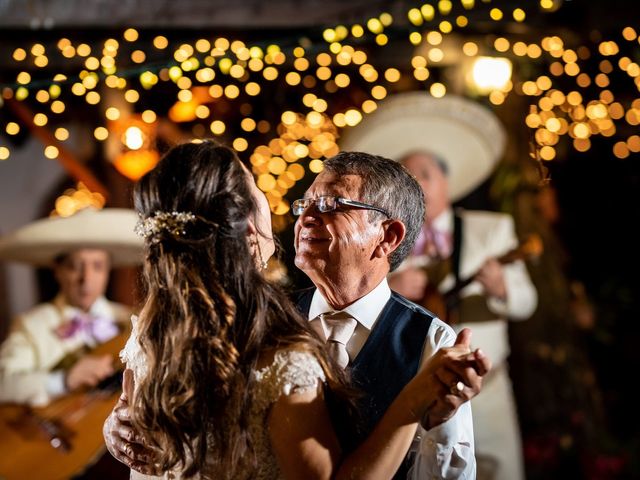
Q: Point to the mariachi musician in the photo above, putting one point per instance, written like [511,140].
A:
[48,350]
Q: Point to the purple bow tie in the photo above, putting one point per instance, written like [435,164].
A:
[433,242]
[96,329]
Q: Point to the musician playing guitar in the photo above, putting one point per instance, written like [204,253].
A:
[60,350]
[464,252]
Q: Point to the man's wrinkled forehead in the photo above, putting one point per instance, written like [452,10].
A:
[328,183]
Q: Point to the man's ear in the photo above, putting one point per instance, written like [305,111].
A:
[252,238]
[251,229]
[393,234]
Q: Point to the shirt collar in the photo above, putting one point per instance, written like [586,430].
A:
[365,310]
[444,221]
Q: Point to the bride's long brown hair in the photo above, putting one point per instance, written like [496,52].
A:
[208,314]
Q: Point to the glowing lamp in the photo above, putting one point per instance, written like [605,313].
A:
[489,74]
[133,153]
[135,163]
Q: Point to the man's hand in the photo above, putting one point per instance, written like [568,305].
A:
[89,371]
[450,378]
[491,276]
[410,282]
[122,440]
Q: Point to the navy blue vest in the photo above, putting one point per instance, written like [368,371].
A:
[387,362]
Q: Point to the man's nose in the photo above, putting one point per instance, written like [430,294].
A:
[310,216]
[85,274]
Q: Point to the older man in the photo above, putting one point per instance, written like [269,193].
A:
[358,220]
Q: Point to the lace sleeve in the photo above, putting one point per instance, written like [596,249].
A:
[292,371]
[131,355]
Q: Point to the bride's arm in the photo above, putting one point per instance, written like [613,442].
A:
[305,444]
[302,437]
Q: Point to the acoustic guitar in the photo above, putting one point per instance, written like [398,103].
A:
[60,440]
[442,304]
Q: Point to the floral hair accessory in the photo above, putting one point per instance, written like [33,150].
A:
[172,222]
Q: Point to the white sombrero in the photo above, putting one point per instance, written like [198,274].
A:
[463,133]
[110,229]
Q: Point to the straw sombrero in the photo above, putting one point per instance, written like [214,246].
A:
[40,242]
[463,133]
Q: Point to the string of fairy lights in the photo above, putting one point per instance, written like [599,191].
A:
[115,76]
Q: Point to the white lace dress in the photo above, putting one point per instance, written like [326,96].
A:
[292,371]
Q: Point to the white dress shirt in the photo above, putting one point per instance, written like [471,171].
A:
[445,451]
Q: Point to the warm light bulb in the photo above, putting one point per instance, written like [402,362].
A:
[133,138]
[489,73]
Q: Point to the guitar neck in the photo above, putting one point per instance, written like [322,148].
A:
[458,287]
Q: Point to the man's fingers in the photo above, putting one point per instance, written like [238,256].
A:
[123,415]
[483,363]
[127,383]
[139,466]
[476,359]
[122,412]
[464,337]
[447,377]
[106,359]
[138,458]
[463,383]
[127,434]
[92,379]
[480,361]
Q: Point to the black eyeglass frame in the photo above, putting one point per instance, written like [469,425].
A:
[300,205]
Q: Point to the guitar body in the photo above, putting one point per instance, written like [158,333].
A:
[435,302]
[28,451]
[72,423]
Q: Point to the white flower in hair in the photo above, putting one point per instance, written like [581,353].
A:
[172,222]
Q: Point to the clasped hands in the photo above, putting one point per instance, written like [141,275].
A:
[451,377]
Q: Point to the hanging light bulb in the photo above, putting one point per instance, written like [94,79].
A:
[137,146]
[489,74]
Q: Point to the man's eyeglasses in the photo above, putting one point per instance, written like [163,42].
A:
[328,203]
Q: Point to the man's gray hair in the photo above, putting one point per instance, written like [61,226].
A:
[388,185]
